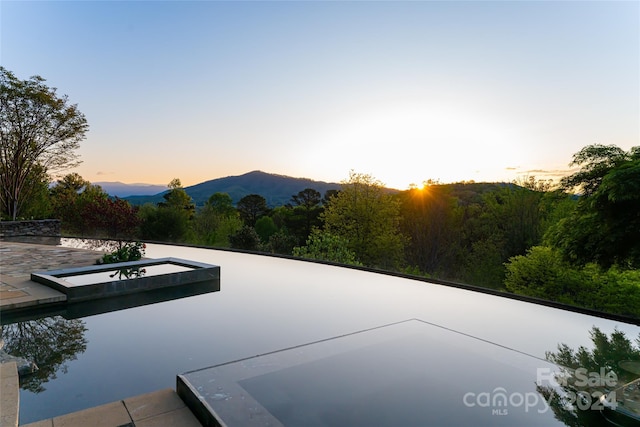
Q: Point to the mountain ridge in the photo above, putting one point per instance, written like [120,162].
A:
[276,189]
[120,189]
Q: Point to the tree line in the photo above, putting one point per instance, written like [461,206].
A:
[577,243]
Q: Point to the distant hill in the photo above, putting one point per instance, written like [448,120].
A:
[119,189]
[276,189]
[473,192]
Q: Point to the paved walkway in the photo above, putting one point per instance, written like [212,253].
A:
[17,262]
[157,409]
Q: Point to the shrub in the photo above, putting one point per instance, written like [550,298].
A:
[542,273]
[130,251]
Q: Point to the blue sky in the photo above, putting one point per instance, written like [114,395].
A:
[404,91]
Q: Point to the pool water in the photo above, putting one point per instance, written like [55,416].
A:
[267,304]
[124,273]
[408,373]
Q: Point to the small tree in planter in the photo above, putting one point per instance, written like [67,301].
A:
[129,251]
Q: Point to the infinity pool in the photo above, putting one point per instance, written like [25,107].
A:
[267,304]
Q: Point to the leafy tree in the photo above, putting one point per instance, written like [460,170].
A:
[38,204]
[305,212]
[282,217]
[516,215]
[530,182]
[328,195]
[617,204]
[483,265]
[216,221]
[325,246]
[177,198]
[605,226]
[503,222]
[281,243]
[77,203]
[113,218]
[85,208]
[246,238]
[595,162]
[226,227]
[432,222]
[221,203]
[252,207]
[171,219]
[163,224]
[556,205]
[38,131]
[71,183]
[265,227]
[368,218]
[307,198]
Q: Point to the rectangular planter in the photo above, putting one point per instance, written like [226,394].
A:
[109,280]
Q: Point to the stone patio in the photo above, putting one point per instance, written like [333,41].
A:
[19,260]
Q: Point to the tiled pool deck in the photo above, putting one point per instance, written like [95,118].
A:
[160,408]
[19,260]
[17,291]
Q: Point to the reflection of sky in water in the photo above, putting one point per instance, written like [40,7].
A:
[267,304]
[123,273]
[406,374]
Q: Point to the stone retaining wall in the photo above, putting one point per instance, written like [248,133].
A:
[44,227]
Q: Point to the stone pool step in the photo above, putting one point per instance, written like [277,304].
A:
[155,409]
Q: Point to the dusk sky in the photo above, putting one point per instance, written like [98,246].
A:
[404,91]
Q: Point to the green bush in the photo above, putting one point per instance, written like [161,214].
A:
[325,246]
[543,273]
[246,238]
[132,251]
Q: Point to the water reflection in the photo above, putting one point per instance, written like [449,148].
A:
[50,343]
[129,273]
[122,273]
[604,378]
